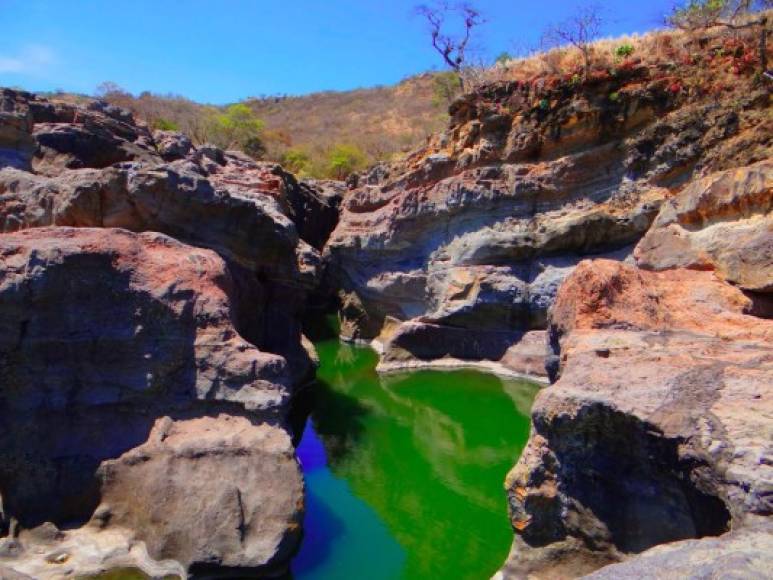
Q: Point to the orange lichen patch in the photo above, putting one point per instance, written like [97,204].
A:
[521,525]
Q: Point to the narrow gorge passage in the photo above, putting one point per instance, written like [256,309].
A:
[404,471]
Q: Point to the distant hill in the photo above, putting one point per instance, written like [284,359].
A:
[303,132]
[381,121]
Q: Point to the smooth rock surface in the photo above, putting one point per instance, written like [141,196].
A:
[742,555]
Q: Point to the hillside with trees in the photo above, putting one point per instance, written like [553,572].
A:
[323,135]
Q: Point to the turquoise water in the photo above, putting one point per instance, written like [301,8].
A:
[405,472]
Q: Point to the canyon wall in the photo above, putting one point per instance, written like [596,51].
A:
[150,345]
[613,236]
[455,254]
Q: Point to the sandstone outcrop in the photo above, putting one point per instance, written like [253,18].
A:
[151,294]
[658,428]
[456,254]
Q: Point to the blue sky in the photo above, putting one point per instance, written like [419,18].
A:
[222,51]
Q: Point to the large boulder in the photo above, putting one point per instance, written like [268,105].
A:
[130,400]
[658,427]
[741,555]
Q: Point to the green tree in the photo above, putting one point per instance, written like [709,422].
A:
[238,126]
[445,88]
[344,160]
[296,160]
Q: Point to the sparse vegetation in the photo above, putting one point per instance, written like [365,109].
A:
[237,127]
[297,161]
[698,15]
[162,124]
[578,31]
[330,134]
[446,88]
[624,51]
[344,160]
[453,49]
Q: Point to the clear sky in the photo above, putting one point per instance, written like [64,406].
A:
[221,51]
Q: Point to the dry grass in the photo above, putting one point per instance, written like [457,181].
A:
[383,122]
[657,48]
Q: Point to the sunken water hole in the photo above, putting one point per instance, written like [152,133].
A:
[405,472]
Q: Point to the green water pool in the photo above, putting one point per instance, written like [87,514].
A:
[405,472]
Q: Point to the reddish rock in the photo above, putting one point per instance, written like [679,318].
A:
[124,380]
[467,240]
[657,429]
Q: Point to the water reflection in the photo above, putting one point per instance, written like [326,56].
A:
[426,452]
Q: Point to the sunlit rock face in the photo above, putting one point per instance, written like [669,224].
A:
[723,222]
[657,427]
[125,382]
[457,253]
[151,295]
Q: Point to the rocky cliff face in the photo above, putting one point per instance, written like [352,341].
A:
[615,235]
[659,427]
[457,253]
[150,300]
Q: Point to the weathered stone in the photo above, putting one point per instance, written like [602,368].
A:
[172,145]
[741,555]
[123,375]
[467,239]
[658,427]
[722,222]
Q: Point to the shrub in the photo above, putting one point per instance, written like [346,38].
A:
[445,87]
[254,147]
[162,124]
[344,160]
[624,51]
[296,160]
[235,127]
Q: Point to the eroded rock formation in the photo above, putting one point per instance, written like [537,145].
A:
[456,254]
[658,428]
[150,344]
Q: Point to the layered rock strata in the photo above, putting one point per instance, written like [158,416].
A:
[659,425]
[456,254]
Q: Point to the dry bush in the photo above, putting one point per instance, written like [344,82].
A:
[657,48]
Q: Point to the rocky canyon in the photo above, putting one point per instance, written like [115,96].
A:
[609,237]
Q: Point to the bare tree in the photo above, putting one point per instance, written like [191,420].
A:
[453,48]
[732,14]
[580,30]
